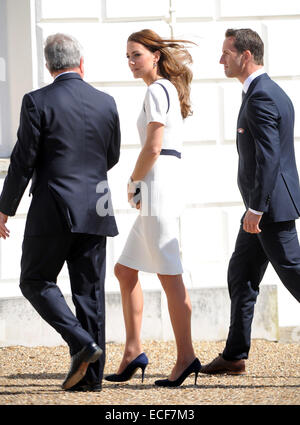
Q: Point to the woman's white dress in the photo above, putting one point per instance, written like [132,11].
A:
[152,245]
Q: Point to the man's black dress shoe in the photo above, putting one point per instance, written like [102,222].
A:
[79,364]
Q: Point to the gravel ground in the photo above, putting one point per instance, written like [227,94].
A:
[33,376]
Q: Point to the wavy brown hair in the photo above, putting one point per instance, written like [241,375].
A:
[172,65]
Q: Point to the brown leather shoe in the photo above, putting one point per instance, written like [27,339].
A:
[220,365]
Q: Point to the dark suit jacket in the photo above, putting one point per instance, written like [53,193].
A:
[68,138]
[267,174]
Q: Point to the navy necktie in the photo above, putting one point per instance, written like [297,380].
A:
[243,95]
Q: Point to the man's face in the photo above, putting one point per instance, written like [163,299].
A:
[231,59]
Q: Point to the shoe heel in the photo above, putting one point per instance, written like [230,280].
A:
[96,356]
[196,377]
[140,362]
[143,372]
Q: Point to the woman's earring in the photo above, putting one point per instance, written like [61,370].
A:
[154,65]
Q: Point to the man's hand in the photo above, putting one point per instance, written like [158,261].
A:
[251,222]
[4,232]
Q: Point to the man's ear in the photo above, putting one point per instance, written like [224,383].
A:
[81,67]
[247,55]
[51,73]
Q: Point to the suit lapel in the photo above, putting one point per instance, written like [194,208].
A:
[250,90]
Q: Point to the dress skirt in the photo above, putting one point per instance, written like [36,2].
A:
[153,244]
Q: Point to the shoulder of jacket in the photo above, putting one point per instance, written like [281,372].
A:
[100,93]
[39,93]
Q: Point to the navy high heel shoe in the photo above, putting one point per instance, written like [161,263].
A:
[140,362]
[192,368]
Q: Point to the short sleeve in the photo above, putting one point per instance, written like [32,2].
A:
[156,104]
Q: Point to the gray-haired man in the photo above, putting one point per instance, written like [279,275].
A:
[67,140]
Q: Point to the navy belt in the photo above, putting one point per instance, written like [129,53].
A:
[170,152]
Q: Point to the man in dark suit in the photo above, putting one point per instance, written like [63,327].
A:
[68,138]
[269,184]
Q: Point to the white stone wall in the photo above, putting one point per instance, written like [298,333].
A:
[210,222]
[4,97]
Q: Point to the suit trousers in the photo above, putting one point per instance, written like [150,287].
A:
[278,244]
[42,259]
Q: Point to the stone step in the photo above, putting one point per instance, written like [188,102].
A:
[21,325]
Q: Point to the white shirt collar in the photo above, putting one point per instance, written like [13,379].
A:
[251,77]
[66,72]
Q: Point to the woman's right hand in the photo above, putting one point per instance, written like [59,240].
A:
[131,189]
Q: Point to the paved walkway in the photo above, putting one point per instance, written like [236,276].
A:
[32,376]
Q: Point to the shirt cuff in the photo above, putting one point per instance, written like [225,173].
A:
[255,212]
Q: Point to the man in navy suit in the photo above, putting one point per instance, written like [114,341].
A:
[68,139]
[269,185]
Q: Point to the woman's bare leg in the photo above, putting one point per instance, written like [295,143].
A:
[180,311]
[132,302]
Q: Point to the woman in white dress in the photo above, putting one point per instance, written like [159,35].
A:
[152,245]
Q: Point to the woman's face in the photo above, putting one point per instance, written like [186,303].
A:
[141,60]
